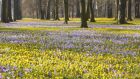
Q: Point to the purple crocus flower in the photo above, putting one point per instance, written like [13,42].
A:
[20,74]
[0,76]
[3,69]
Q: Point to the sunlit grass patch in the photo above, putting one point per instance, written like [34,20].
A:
[51,20]
[112,21]
[135,22]
[30,29]
[39,29]
[102,21]
[30,20]
[115,30]
[123,31]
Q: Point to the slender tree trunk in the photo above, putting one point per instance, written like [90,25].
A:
[41,10]
[62,12]
[88,10]
[137,9]
[117,10]
[17,10]
[77,8]
[54,10]
[57,10]
[54,13]
[9,11]
[122,12]
[48,10]
[129,10]
[38,9]
[92,18]
[109,9]
[83,15]
[72,13]
[20,11]
[66,11]
[4,14]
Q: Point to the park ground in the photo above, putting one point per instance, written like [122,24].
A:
[40,49]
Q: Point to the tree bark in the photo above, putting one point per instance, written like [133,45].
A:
[117,10]
[129,10]
[48,10]
[137,9]
[17,10]
[57,10]
[122,13]
[77,8]
[109,9]
[4,14]
[83,15]
[66,11]
[88,10]
[9,11]
[92,17]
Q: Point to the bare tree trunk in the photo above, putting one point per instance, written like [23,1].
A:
[42,12]
[57,10]
[77,8]
[72,13]
[129,10]
[9,11]
[117,10]
[4,14]
[122,13]
[88,10]
[48,9]
[109,9]
[17,10]
[92,18]
[83,15]
[66,11]
[137,9]
[38,8]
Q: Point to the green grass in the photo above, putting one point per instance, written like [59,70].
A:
[55,29]
[118,31]
[38,29]
[29,29]
[135,22]
[100,21]
[112,21]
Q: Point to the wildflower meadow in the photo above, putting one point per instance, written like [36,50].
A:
[30,50]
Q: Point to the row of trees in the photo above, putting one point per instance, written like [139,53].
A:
[84,9]
[11,10]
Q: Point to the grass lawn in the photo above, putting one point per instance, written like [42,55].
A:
[99,21]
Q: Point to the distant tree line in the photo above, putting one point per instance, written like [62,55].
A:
[87,10]
[11,13]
